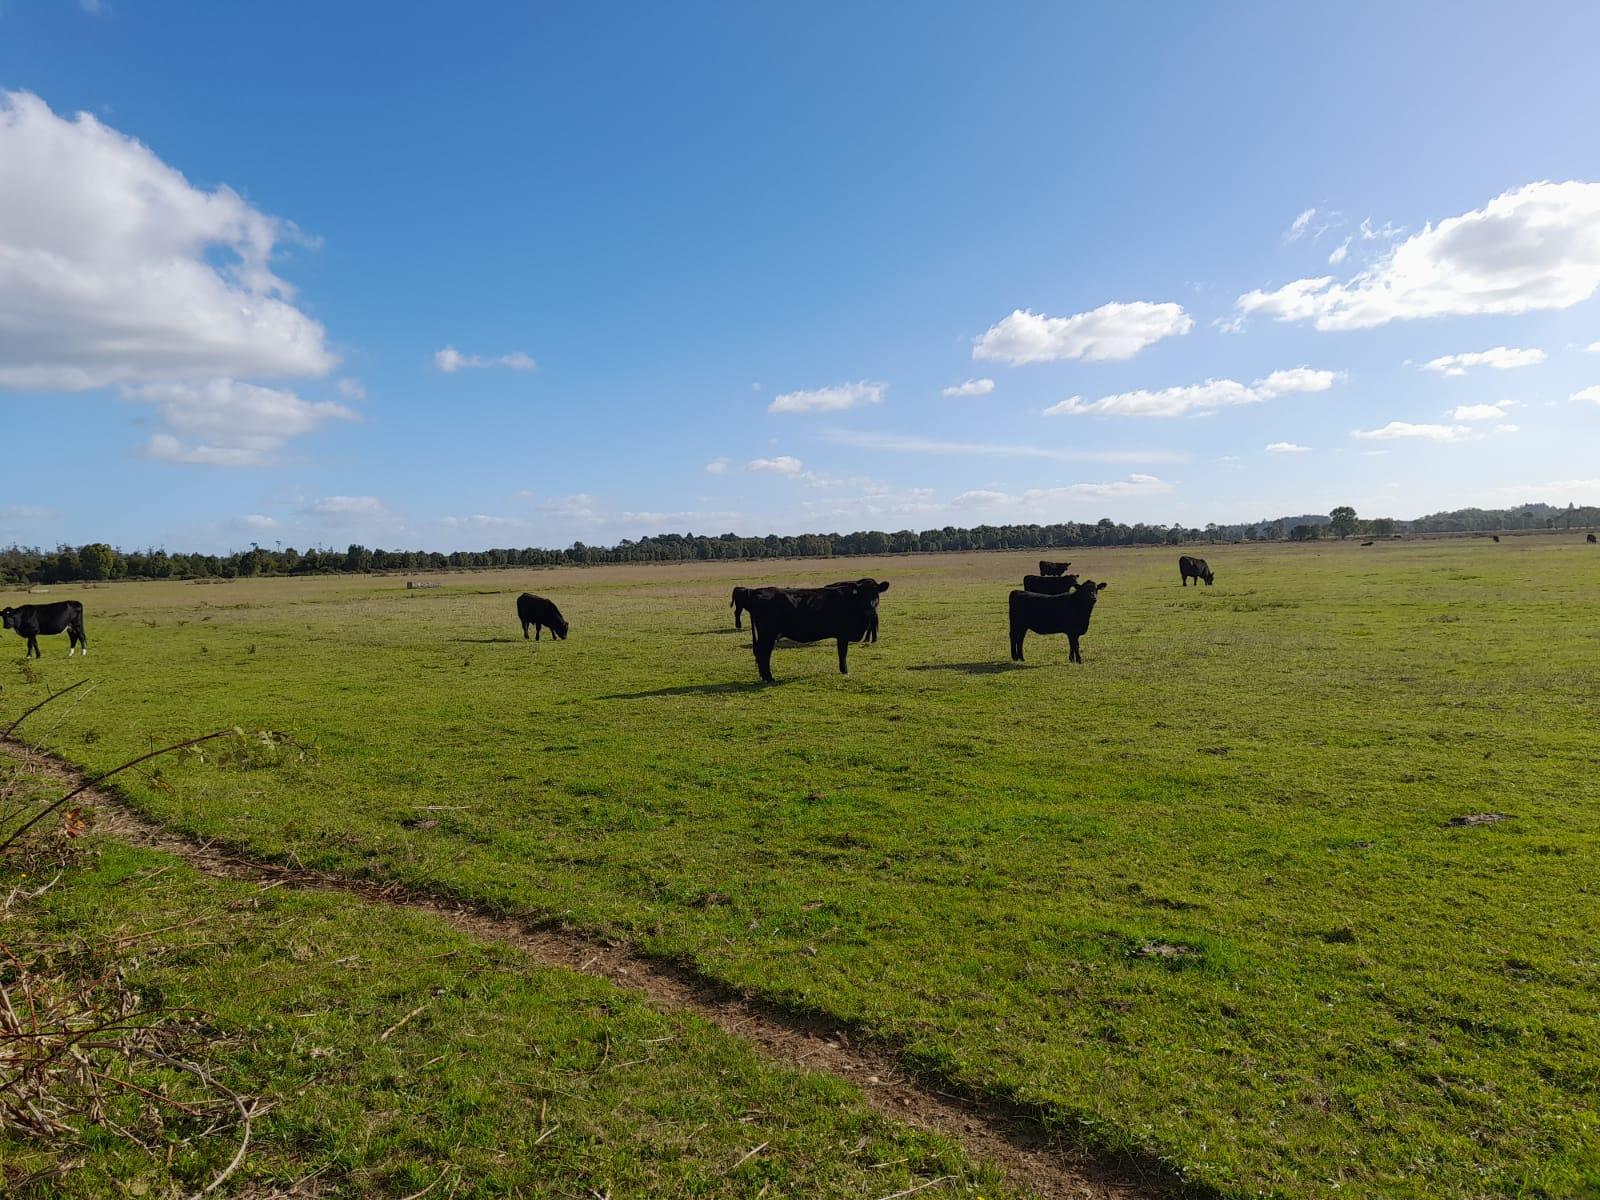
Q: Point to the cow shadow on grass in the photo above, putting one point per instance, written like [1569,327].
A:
[697,689]
[486,641]
[975,668]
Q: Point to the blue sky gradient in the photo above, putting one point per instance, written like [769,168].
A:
[683,213]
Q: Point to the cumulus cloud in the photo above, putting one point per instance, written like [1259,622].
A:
[1405,429]
[717,466]
[1534,248]
[783,464]
[1477,412]
[830,399]
[227,423]
[1591,394]
[1501,358]
[972,387]
[1108,333]
[114,269]
[1205,397]
[1286,448]
[450,360]
[902,443]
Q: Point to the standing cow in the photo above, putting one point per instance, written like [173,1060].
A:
[1193,568]
[1068,613]
[1591,539]
[871,587]
[844,612]
[540,613]
[1046,586]
[30,620]
[1053,568]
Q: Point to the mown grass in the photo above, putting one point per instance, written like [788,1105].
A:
[970,858]
[387,1052]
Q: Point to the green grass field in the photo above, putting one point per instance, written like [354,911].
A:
[1195,899]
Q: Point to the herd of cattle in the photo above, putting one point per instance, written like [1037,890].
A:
[1047,603]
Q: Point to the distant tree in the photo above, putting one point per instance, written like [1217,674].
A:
[1304,533]
[96,561]
[1382,527]
[1342,520]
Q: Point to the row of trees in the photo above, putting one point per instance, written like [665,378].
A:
[96,561]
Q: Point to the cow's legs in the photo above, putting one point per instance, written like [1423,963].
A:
[525,625]
[737,623]
[844,651]
[1073,655]
[1016,644]
[538,631]
[762,645]
[33,647]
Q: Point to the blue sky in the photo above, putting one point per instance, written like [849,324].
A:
[715,268]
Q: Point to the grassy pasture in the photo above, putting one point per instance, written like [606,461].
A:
[1196,898]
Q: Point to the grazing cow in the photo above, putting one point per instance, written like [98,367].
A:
[1068,613]
[871,635]
[843,612]
[540,613]
[1366,543]
[1053,568]
[1591,539]
[30,620]
[738,604]
[1049,587]
[1193,568]
[1496,537]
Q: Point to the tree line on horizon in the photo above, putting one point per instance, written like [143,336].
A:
[99,561]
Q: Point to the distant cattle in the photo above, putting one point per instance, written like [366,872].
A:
[844,612]
[30,620]
[1496,536]
[1591,539]
[1366,543]
[1049,587]
[871,635]
[541,614]
[1053,568]
[1193,568]
[1068,613]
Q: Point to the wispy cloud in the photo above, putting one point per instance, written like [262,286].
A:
[1286,448]
[1501,358]
[972,387]
[1108,333]
[449,360]
[1197,398]
[783,464]
[1395,430]
[717,466]
[915,444]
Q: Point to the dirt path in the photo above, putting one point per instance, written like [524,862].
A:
[1008,1136]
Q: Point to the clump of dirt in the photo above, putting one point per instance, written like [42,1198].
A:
[1478,819]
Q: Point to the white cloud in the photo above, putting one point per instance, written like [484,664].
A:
[478,521]
[1387,233]
[1205,397]
[1340,253]
[972,387]
[450,360]
[1593,347]
[1591,394]
[912,444]
[1299,225]
[115,270]
[352,389]
[1534,248]
[1405,429]
[1286,448]
[830,399]
[259,523]
[227,423]
[1108,333]
[337,507]
[1508,428]
[1501,358]
[1567,491]
[783,464]
[1477,412]
[1046,500]
[717,466]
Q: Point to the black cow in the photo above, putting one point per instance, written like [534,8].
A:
[871,635]
[539,612]
[1053,568]
[1068,613]
[1049,587]
[1193,568]
[1366,543]
[843,612]
[738,605]
[30,620]
[1496,537]
[1591,539]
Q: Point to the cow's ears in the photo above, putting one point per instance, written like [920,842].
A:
[884,586]
[1099,587]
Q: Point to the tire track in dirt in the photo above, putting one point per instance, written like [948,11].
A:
[1011,1137]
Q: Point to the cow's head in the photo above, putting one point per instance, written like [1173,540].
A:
[1208,576]
[8,615]
[1090,589]
[558,626]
